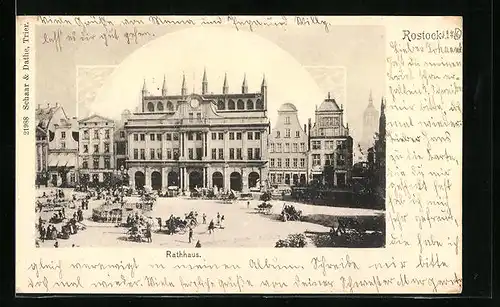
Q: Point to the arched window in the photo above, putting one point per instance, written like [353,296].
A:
[250,104]
[151,107]
[159,106]
[230,105]
[241,105]
[170,106]
[221,105]
[259,105]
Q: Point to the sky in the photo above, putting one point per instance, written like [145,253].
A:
[301,66]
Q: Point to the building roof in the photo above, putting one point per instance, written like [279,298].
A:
[43,116]
[329,105]
[287,107]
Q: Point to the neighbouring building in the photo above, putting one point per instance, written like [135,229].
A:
[48,119]
[63,153]
[370,124]
[330,145]
[96,149]
[288,149]
[199,140]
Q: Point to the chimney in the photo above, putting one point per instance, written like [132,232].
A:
[309,135]
[305,128]
[48,105]
[57,104]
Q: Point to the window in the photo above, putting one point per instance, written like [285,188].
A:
[295,147]
[214,136]
[136,137]
[238,154]
[199,153]
[143,154]
[273,178]
[336,121]
[85,163]
[106,148]
[340,159]
[96,134]
[287,162]
[341,145]
[278,134]
[257,153]
[287,147]
[295,162]
[151,107]
[271,147]
[231,105]
[122,134]
[220,105]
[152,154]
[214,154]
[169,154]
[175,153]
[221,153]
[63,135]
[238,135]
[121,148]
[63,145]
[85,134]
[143,137]
[250,153]
[279,178]
[221,135]
[322,132]
[328,159]
[85,148]
[287,132]
[136,154]
[191,116]
[198,136]
[107,163]
[329,145]
[106,134]
[287,120]
[302,147]
[175,136]
[190,136]
[159,106]
[95,163]
[158,137]
[190,153]
[316,144]
[198,116]
[231,153]
[231,135]
[316,160]
[336,131]
[96,148]
[278,147]
[257,135]
[297,134]
[168,136]
[302,162]
[250,135]
[278,163]
[271,162]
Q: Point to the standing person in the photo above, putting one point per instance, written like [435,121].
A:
[248,204]
[211,227]
[218,218]
[159,222]
[148,235]
[198,244]
[222,222]
[56,245]
[42,233]
[204,218]
[190,234]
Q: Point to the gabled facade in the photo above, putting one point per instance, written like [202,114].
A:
[330,144]
[288,149]
[96,149]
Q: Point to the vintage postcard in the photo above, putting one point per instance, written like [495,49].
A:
[239,154]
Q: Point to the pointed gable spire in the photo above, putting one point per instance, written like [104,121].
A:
[164,86]
[225,87]
[244,86]
[144,88]
[204,83]
[264,82]
[370,99]
[184,87]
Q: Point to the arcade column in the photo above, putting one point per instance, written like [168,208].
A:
[244,179]
[186,179]
[227,181]
[181,178]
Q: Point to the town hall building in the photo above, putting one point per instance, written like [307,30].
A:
[196,140]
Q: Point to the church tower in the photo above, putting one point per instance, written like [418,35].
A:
[183,87]
[225,87]
[204,83]
[370,124]
[164,86]
[244,86]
